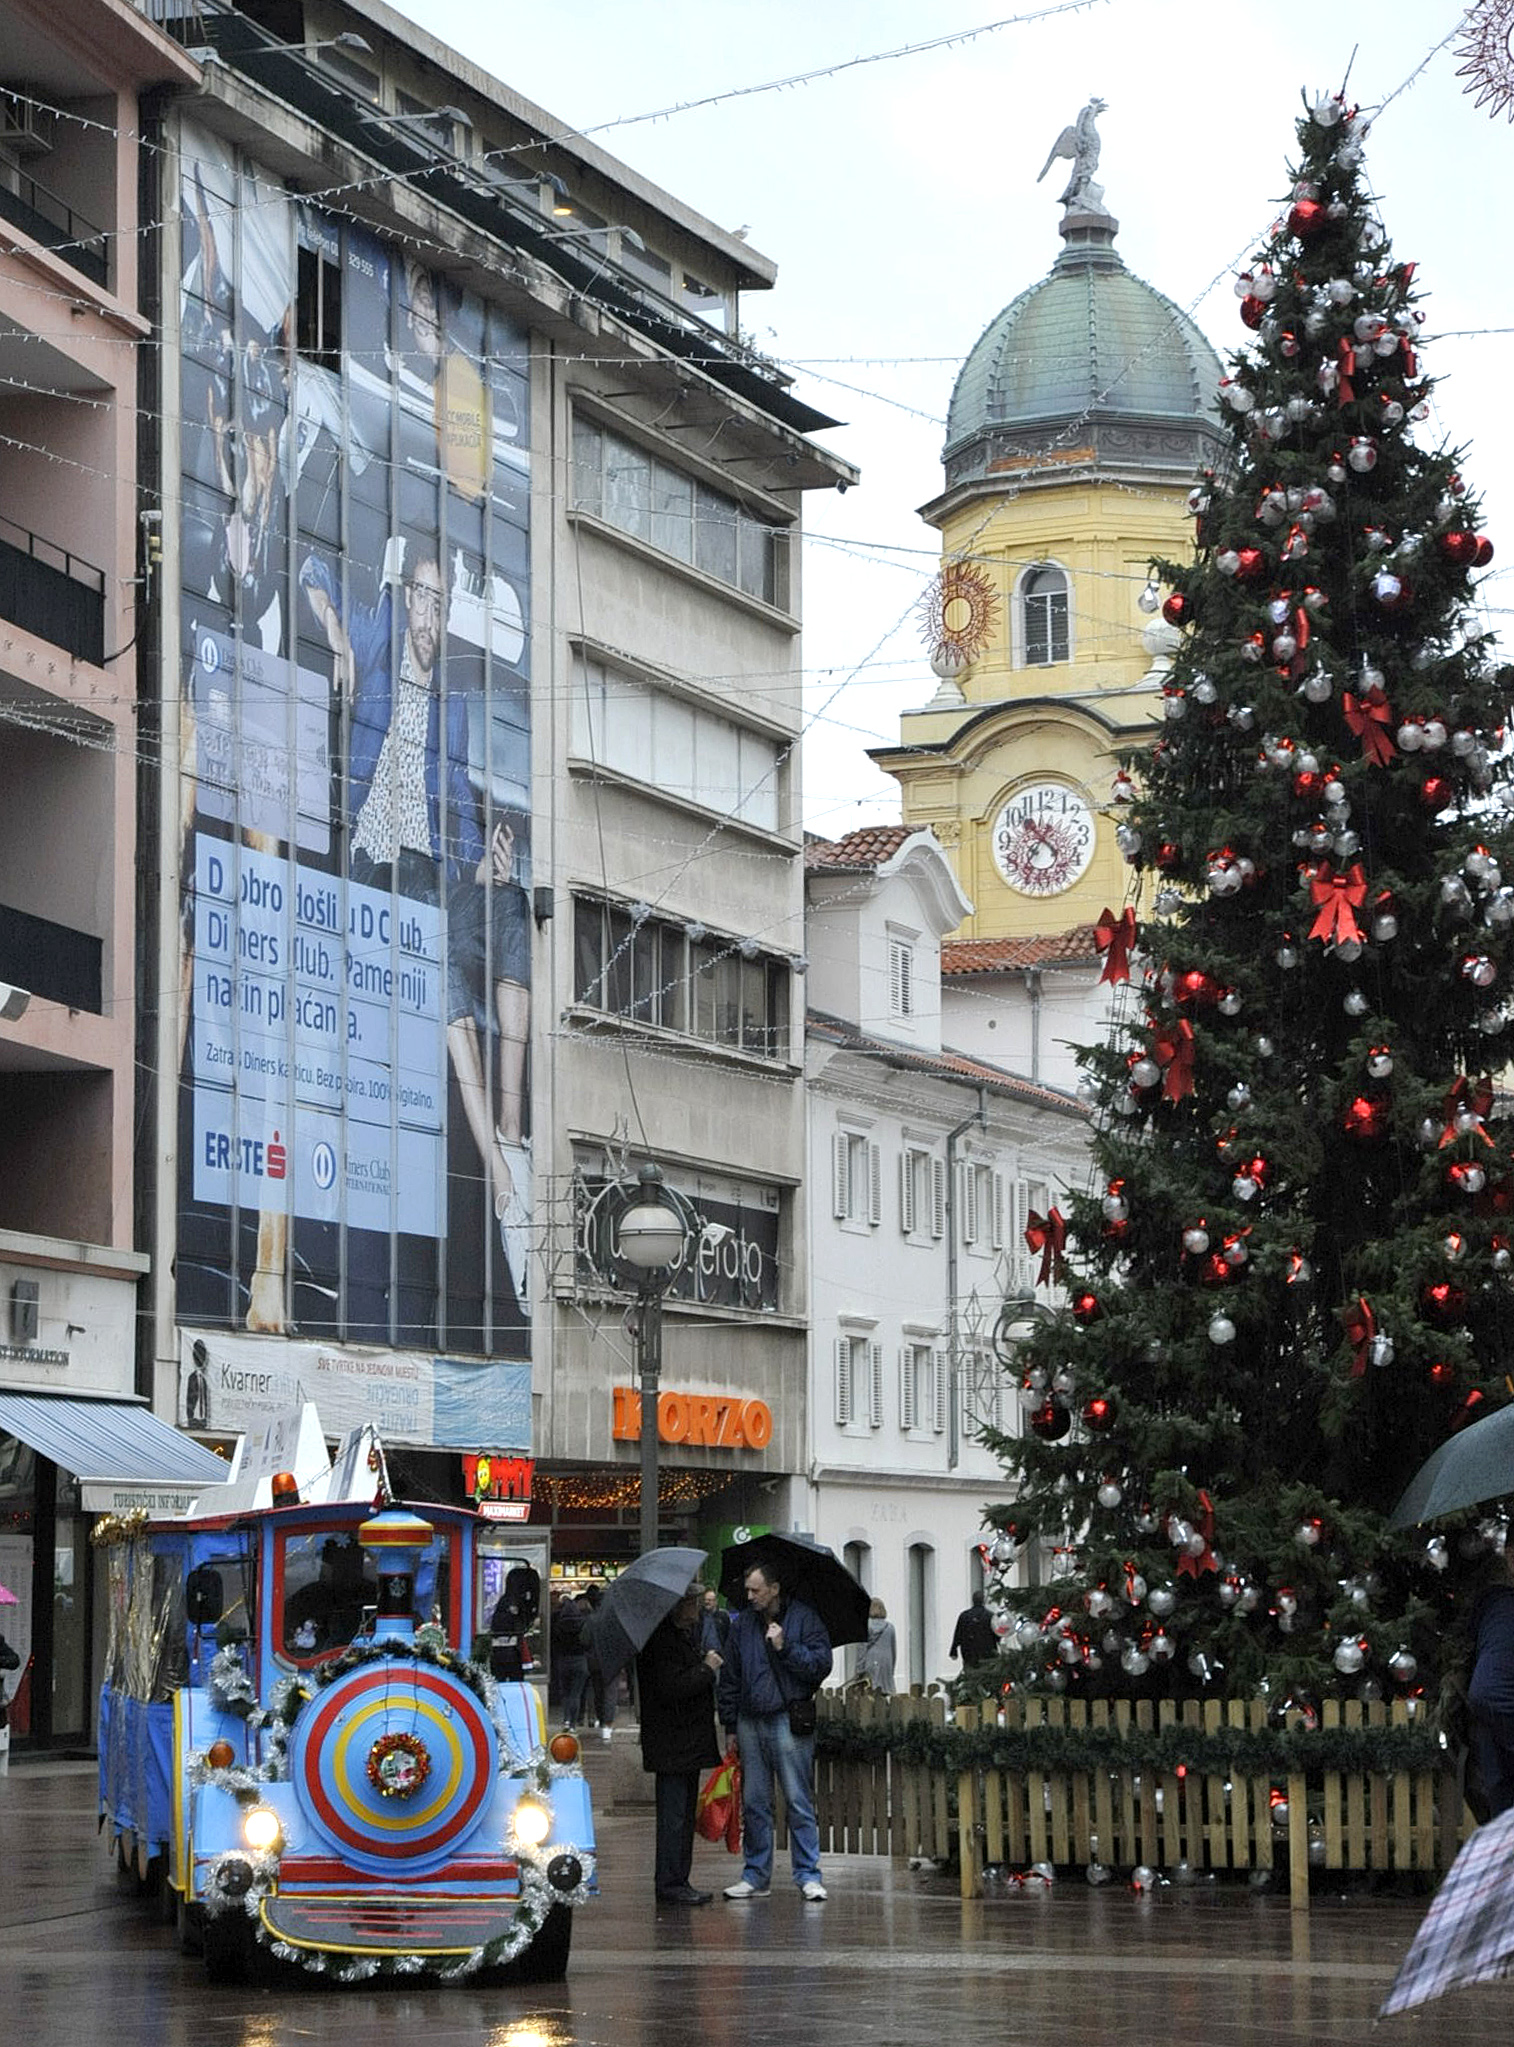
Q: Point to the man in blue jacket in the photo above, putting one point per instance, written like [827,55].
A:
[778,1653]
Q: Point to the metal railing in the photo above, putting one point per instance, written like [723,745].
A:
[52,222]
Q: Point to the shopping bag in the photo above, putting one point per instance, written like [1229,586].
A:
[719,1800]
[733,1823]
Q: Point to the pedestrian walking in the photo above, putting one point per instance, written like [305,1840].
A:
[1490,1694]
[675,1679]
[876,1662]
[715,1621]
[777,1656]
[604,1689]
[570,1658]
[973,1638]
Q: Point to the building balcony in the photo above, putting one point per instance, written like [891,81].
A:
[50,960]
[51,593]
[30,206]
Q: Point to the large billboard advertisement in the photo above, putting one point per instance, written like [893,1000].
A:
[354,946]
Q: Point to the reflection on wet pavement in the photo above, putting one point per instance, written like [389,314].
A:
[893,1958]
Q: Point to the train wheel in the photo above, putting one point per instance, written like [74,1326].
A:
[546,1959]
[229,1946]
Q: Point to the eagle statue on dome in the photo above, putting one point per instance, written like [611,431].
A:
[1080,145]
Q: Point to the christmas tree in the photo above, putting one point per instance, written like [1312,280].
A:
[1291,1278]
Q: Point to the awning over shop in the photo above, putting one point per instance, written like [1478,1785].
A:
[108,1439]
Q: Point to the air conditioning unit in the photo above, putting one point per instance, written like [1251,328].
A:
[25,127]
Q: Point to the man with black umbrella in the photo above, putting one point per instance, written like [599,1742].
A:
[777,1656]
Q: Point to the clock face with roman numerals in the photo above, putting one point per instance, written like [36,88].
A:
[1043,839]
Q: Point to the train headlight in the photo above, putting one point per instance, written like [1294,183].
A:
[532,1822]
[261,1830]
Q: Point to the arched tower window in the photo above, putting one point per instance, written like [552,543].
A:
[1043,615]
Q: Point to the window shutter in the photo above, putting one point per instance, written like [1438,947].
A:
[843,1380]
[906,981]
[874,1183]
[895,981]
[969,1204]
[938,1198]
[997,1238]
[839,1175]
[907,1191]
[940,1390]
[875,1386]
[907,1387]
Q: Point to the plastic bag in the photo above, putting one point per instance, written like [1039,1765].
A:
[717,1814]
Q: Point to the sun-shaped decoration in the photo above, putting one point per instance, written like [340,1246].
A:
[1487,29]
[958,614]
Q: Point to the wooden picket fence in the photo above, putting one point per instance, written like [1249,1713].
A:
[882,1804]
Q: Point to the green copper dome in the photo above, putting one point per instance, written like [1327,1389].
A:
[1090,362]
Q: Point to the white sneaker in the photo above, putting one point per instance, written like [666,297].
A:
[607,1733]
[513,1211]
[742,1889]
[813,1893]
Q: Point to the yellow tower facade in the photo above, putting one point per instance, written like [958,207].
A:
[1079,425]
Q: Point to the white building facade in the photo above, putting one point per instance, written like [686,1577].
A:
[925,1164]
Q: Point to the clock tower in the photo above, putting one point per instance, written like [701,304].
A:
[1080,422]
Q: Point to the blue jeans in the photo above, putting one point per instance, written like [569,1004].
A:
[770,1748]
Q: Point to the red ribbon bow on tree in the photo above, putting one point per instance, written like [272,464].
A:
[1336,895]
[1203,1521]
[1173,1050]
[1048,1235]
[1368,717]
[1360,1325]
[1345,390]
[1466,1098]
[1115,936]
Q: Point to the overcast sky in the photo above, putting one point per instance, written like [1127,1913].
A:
[899,200]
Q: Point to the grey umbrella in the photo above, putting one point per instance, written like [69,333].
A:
[645,1593]
[1476,1464]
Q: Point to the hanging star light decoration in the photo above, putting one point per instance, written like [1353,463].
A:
[1489,65]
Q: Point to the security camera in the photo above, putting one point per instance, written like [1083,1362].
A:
[842,486]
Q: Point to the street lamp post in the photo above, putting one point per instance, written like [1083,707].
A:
[650,1234]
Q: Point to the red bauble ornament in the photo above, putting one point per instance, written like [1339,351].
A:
[1253,310]
[1484,552]
[1195,987]
[1443,1373]
[1051,1420]
[1250,564]
[1216,1270]
[1435,792]
[1085,1308]
[1098,1413]
[1443,1303]
[1365,1119]
[1307,219]
[1459,548]
[1175,609]
[1469,1410]
[1168,854]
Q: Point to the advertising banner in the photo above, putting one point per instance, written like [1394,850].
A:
[244,1384]
[355,939]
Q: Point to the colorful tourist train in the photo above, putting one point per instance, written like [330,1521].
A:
[302,1758]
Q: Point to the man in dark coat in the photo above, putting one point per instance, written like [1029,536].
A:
[676,1683]
[973,1638]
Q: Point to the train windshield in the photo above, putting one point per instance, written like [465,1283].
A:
[331,1589]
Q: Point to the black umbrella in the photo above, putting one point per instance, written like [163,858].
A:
[645,1593]
[1475,1465]
[807,1570]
